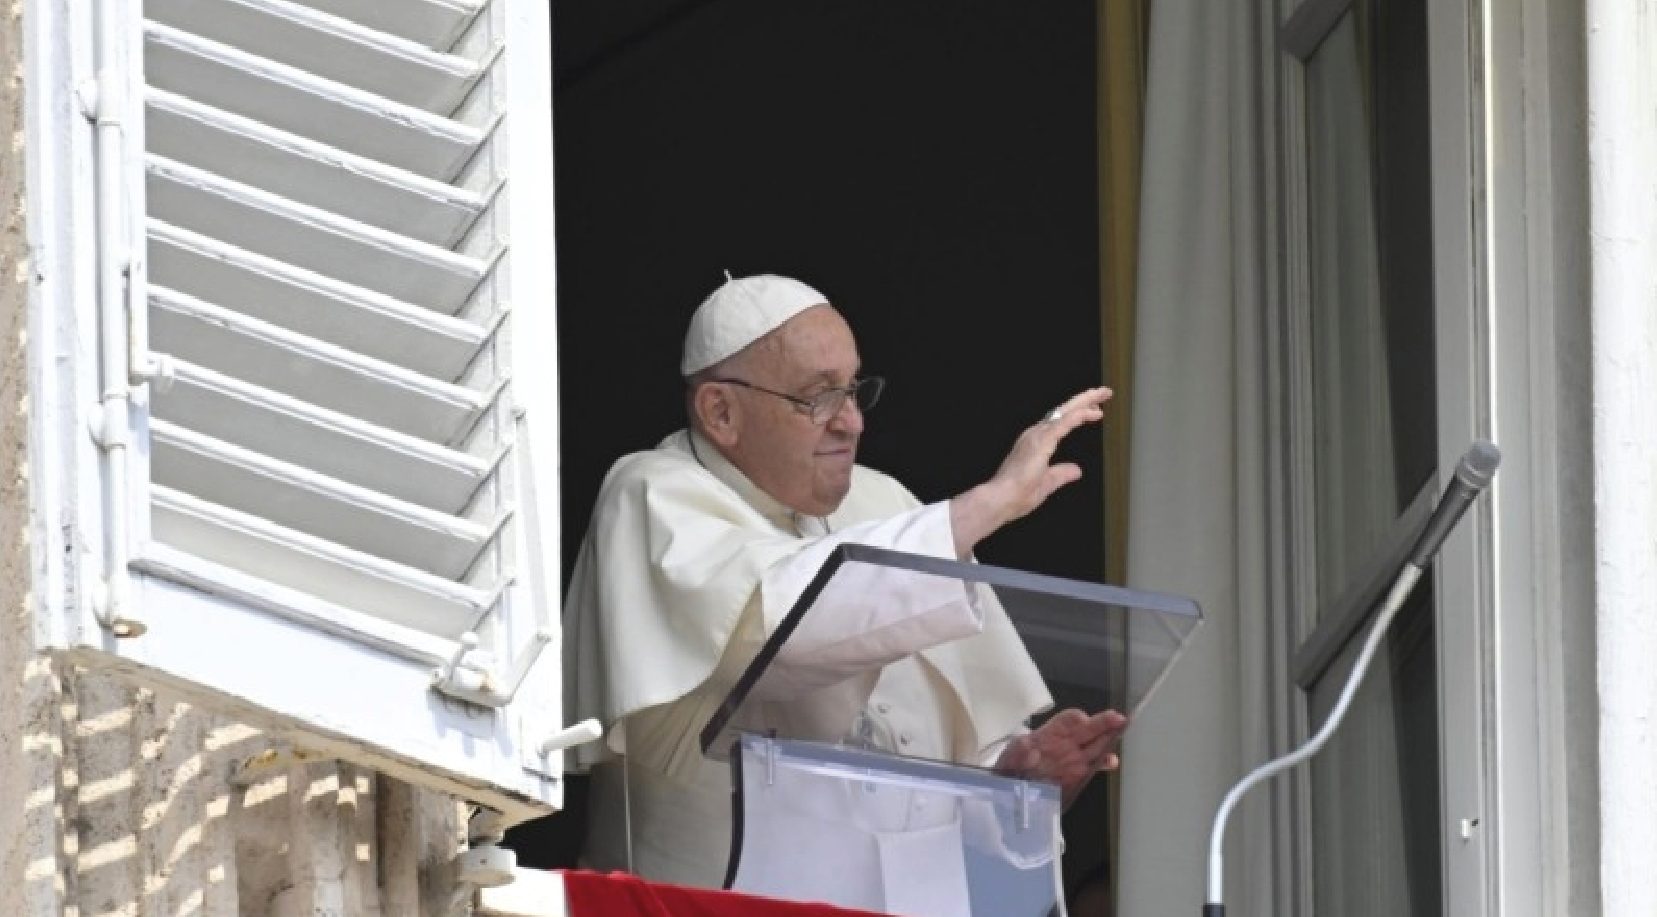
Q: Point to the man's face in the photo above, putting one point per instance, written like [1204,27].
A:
[804,465]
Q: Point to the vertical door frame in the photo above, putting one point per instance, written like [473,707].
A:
[1511,292]
[1463,571]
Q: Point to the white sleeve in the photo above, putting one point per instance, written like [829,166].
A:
[991,755]
[870,616]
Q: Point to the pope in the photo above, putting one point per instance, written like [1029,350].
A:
[699,547]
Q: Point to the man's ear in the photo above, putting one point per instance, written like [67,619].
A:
[718,413]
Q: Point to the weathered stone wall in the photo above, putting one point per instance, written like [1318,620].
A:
[116,801]
[26,825]
[132,807]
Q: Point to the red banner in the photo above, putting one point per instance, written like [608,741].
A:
[620,894]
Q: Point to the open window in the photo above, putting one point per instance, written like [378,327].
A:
[1364,417]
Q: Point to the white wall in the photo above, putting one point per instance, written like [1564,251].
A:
[1622,175]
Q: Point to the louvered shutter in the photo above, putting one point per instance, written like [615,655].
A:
[343,515]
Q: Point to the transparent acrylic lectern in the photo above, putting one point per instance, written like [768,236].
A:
[821,814]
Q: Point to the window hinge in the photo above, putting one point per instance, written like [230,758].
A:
[108,603]
[100,98]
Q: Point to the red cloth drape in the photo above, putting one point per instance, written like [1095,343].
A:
[620,894]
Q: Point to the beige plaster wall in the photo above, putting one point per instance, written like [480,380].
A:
[115,801]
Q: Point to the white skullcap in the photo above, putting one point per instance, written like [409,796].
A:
[741,312]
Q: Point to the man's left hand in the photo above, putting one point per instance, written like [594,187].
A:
[1068,749]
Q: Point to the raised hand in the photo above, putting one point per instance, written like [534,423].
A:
[1027,476]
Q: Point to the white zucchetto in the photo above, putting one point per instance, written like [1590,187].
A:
[740,312]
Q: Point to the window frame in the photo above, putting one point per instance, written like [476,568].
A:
[1314,640]
[1506,114]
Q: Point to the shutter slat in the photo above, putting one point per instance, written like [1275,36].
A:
[309,172]
[310,370]
[331,572]
[314,503]
[230,585]
[311,238]
[329,310]
[294,100]
[328,46]
[433,23]
[334,444]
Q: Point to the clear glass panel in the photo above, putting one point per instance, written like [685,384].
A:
[1100,647]
[1375,799]
[1370,254]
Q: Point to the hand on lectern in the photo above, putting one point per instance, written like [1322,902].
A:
[1068,749]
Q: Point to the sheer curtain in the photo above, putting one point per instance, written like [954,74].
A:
[1197,511]
[1200,505]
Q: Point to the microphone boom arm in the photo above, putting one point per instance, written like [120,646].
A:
[1473,474]
[1401,588]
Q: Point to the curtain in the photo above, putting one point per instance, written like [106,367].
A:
[1121,100]
[1121,64]
[1197,517]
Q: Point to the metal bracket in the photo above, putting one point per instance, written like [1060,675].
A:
[482,866]
[537,757]
[479,686]
[155,369]
[448,677]
[144,366]
[103,611]
[485,864]
[581,733]
[1022,793]
[98,104]
[106,427]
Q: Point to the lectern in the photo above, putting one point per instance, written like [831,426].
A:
[823,811]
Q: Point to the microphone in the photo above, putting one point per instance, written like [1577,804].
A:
[1473,474]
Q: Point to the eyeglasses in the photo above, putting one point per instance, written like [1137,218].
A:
[824,405]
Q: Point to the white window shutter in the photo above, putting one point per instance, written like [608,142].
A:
[342,473]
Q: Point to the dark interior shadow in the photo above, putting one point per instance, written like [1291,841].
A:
[930,166]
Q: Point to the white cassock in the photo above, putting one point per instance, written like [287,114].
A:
[686,568]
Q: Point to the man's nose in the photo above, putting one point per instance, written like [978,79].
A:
[849,419]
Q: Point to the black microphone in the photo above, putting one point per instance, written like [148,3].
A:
[1472,475]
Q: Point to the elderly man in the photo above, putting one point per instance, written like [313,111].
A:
[698,547]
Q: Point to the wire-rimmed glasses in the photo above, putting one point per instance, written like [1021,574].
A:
[824,405]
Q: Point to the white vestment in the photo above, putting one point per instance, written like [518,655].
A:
[686,568]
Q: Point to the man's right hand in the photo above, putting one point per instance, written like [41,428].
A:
[1027,476]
